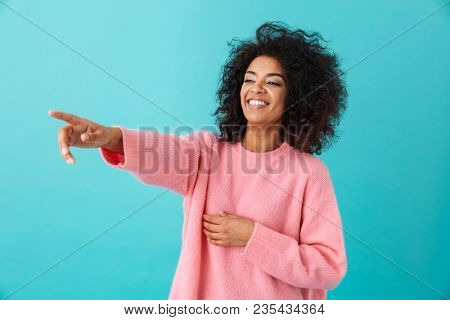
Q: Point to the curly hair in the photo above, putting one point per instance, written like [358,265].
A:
[316,93]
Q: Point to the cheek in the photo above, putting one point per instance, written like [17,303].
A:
[281,97]
[243,94]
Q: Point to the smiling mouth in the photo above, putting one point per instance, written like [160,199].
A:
[256,106]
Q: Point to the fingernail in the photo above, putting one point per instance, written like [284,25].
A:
[64,150]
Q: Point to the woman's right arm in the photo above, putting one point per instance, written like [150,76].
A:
[155,158]
[161,159]
[116,142]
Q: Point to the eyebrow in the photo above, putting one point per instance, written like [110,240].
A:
[269,74]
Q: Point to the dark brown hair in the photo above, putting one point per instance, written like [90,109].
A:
[316,93]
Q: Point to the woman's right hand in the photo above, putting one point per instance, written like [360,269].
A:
[82,133]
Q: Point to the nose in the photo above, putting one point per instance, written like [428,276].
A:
[256,88]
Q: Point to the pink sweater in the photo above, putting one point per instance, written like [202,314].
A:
[297,247]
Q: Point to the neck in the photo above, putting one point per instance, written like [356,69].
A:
[262,138]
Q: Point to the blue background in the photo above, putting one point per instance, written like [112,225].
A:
[390,166]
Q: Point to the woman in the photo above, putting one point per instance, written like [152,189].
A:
[261,220]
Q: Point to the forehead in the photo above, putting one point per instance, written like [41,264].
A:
[265,64]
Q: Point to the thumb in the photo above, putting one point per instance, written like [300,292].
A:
[89,137]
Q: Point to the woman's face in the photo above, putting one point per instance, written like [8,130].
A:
[264,80]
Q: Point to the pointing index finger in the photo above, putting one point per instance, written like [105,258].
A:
[67,117]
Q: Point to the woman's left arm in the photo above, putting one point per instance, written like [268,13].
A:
[318,262]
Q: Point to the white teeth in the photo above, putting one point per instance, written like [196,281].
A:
[257,103]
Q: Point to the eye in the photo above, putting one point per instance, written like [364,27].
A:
[270,82]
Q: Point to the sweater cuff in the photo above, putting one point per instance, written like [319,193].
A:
[264,245]
[129,160]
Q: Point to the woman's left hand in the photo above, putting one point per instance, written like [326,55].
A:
[227,229]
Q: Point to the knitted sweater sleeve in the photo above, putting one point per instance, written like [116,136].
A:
[318,260]
[155,158]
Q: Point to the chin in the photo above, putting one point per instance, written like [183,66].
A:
[255,121]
